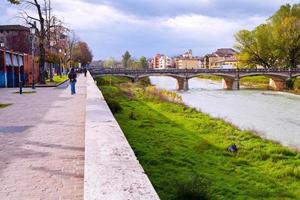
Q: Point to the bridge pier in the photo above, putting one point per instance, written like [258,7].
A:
[182,84]
[277,84]
[231,84]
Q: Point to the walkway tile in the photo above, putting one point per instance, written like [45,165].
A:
[42,144]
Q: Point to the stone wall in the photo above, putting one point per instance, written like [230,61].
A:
[112,171]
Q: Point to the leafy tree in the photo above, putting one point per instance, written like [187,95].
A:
[43,17]
[143,62]
[274,44]
[14,1]
[110,62]
[256,47]
[126,59]
[82,53]
[286,25]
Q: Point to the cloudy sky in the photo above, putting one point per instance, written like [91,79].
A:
[147,27]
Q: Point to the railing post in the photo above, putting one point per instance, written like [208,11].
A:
[20,87]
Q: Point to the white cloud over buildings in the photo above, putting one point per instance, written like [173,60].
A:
[110,30]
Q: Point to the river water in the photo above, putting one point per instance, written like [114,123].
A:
[273,115]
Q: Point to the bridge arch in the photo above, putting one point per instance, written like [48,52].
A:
[132,78]
[296,75]
[269,75]
[182,81]
[227,76]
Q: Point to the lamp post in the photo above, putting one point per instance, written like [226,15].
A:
[2,45]
[32,31]
[52,44]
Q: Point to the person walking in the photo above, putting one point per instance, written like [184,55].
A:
[84,71]
[72,77]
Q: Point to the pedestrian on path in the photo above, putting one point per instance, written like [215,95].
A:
[72,77]
[84,71]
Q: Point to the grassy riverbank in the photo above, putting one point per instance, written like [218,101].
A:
[184,152]
[4,105]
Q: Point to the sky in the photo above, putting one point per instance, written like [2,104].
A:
[147,27]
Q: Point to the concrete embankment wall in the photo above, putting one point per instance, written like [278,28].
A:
[112,171]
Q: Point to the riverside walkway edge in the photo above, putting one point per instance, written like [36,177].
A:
[112,171]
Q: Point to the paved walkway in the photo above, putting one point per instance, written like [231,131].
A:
[42,144]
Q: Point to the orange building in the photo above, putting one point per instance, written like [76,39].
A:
[156,61]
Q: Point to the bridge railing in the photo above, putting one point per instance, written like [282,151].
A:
[188,71]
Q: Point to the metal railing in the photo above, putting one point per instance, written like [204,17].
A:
[190,71]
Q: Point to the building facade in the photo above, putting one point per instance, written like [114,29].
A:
[165,62]
[156,61]
[188,63]
[16,38]
[220,58]
[16,68]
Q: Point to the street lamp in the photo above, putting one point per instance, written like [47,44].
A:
[32,32]
[59,65]
[2,45]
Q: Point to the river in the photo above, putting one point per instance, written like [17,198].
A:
[273,115]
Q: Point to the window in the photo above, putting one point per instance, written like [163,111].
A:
[8,61]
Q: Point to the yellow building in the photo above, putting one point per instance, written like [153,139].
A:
[188,63]
[221,57]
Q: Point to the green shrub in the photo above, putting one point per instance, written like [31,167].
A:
[196,188]
[114,106]
[132,116]
[290,83]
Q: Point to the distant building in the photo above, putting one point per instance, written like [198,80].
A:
[188,61]
[165,62]
[188,54]
[222,57]
[156,61]
[16,38]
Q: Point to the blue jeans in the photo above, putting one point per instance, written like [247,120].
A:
[72,84]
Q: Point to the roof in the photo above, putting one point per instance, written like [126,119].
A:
[13,28]
[224,52]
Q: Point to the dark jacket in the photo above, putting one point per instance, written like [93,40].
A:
[72,76]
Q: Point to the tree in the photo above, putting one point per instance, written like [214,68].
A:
[41,10]
[286,25]
[143,62]
[126,59]
[274,44]
[82,53]
[109,63]
[256,47]
[134,64]
[71,42]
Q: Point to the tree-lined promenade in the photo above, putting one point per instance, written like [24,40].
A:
[56,44]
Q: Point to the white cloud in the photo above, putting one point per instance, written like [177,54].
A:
[84,15]
[115,29]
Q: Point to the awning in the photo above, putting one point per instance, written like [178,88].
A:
[21,63]
[15,60]
[8,59]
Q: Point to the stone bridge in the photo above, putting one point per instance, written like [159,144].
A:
[230,77]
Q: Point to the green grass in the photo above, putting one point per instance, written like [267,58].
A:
[25,92]
[184,152]
[251,82]
[211,77]
[57,79]
[256,82]
[4,105]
